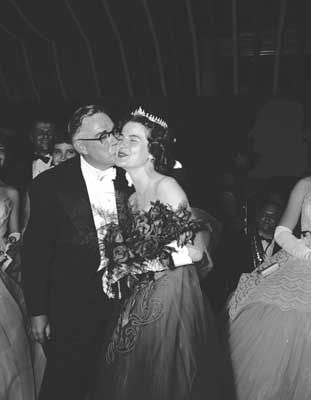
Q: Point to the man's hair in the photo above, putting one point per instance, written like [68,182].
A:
[266,202]
[78,116]
[41,118]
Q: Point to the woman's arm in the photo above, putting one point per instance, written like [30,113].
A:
[292,212]
[171,193]
[13,226]
[283,234]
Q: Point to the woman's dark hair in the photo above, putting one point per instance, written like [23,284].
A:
[159,142]
[78,116]
[62,137]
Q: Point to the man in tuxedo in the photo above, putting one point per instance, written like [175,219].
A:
[42,135]
[261,244]
[34,156]
[63,259]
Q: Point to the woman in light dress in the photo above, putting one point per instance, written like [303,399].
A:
[21,360]
[269,314]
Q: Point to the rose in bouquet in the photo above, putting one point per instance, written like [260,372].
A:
[143,245]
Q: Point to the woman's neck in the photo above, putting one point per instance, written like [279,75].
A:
[141,180]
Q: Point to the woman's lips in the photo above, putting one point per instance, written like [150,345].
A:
[121,154]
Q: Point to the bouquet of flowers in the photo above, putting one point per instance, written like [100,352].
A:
[144,244]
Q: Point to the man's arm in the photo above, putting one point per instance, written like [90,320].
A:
[38,243]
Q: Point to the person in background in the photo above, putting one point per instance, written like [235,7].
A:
[21,360]
[63,149]
[34,156]
[9,200]
[42,135]
[260,235]
[268,316]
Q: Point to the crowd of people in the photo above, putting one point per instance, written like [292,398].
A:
[220,312]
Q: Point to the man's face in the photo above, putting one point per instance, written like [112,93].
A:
[268,218]
[42,136]
[100,155]
[62,152]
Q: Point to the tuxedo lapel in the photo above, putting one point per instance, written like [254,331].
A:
[122,192]
[75,200]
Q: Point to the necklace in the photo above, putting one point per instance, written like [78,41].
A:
[258,255]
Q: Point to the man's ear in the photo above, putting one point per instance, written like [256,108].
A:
[79,146]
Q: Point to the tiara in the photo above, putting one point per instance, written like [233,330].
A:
[151,117]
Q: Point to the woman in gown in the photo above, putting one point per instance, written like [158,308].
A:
[164,344]
[21,361]
[269,315]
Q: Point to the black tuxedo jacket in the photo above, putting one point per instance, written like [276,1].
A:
[60,249]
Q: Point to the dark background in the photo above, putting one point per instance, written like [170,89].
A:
[206,66]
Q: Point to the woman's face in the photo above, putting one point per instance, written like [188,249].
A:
[63,152]
[133,147]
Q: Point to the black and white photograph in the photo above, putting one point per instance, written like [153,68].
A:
[155,200]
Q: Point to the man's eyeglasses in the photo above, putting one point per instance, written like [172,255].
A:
[101,138]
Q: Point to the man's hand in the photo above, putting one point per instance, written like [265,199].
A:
[40,328]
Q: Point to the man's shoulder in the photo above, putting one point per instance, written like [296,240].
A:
[57,174]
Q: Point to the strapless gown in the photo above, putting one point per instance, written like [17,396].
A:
[164,345]
[269,328]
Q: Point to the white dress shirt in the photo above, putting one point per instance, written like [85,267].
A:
[102,197]
[39,166]
[267,247]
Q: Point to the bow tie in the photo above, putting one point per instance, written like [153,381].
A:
[107,176]
[45,159]
[129,179]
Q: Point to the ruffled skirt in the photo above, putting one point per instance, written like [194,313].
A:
[269,333]
[164,346]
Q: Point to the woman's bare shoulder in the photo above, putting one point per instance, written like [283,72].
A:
[169,191]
